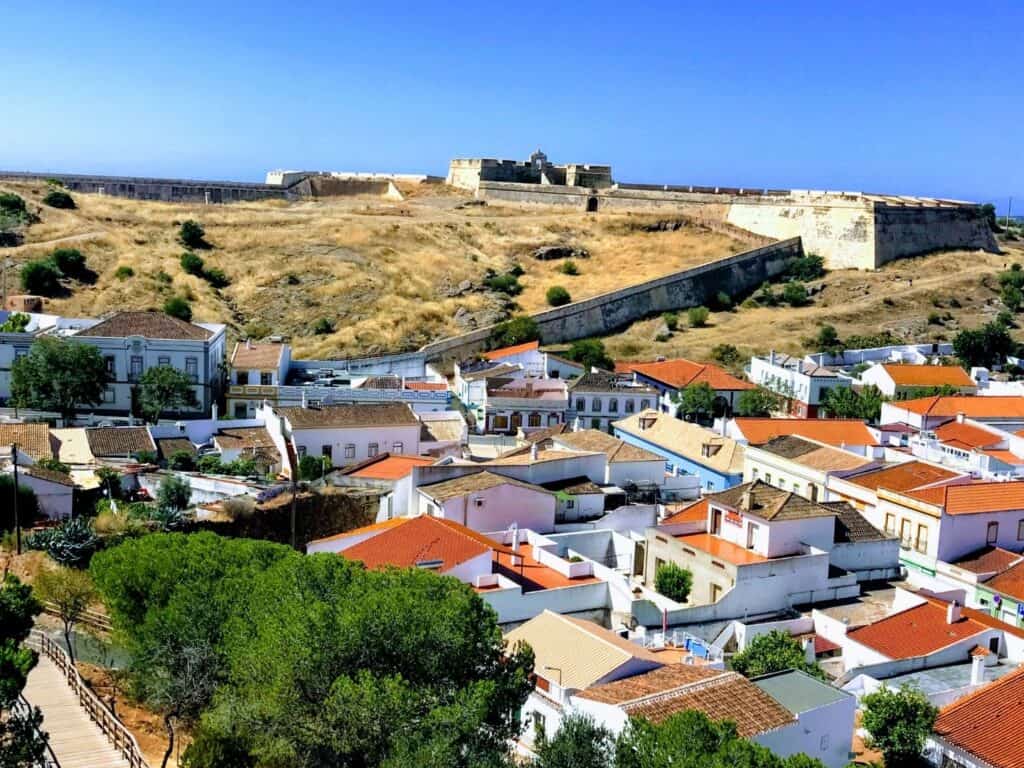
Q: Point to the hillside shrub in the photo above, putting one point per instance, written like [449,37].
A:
[590,353]
[726,354]
[70,262]
[671,320]
[515,330]
[216,278]
[722,302]
[569,267]
[805,268]
[58,198]
[1012,297]
[178,307]
[42,278]
[13,205]
[698,316]
[323,326]
[507,283]
[557,296]
[795,294]
[192,264]
[192,235]
[124,272]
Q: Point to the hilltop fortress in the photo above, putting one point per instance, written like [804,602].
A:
[849,229]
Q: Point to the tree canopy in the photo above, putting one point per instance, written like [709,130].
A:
[59,375]
[845,403]
[20,745]
[695,400]
[758,402]
[163,388]
[673,581]
[516,330]
[775,651]
[899,722]
[985,346]
[579,743]
[590,353]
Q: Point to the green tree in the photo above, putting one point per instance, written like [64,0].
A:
[71,592]
[726,354]
[20,744]
[841,403]
[177,306]
[1012,297]
[557,296]
[58,198]
[899,722]
[579,743]
[696,400]
[590,353]
[826,340]
[70,262]
[871,399]
[192,235]
[41,278]
[181,461]
[698,316]
[174,493]
[804,268]
[516,330]
[758,402]
[988,212]
[794,293]
[59,375]
[16,322]
[18,609]
[163,388]
[13,205]
[985,346]
[673,581]
[775,651]
[313,467]
[671,320]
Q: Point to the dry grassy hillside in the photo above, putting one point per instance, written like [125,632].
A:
[382,272]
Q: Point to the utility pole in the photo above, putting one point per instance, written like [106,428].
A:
[17,521]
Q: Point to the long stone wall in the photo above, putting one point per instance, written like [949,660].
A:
[166,190]
[610,312]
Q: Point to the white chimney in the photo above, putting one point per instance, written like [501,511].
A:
[953,612]
[977,669]
[533,452]
[808,644]
[515,537]
[960,417]
[305,402]
[213,411]
[771,357]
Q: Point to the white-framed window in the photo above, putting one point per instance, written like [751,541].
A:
[992,533]
[397,447]
[921,543]
[164,360]
[581,404]
[890,524]
[192,368]
[109,395]
[350,451]
[372,450]
[135,369]
[613,405]
[595,405]
[266,378]
[629,405]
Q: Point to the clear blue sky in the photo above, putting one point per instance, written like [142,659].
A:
[906,97]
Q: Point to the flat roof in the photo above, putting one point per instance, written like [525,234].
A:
[720,548]
[799,692]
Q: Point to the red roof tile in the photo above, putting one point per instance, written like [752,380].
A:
[1010,582]
[972,406]
[966,435]
[420,540]
[388,467]
[692,513]
[917,631]
[426,386]
[498,354]
[903,477]
[531,575]
[989,723]
[835,432]
[681,373]
[972,498]
[988,560]
[928,375]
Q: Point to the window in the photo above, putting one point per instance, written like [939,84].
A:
[1020,530]
[302,451]
[570,503]
[630,406]
[595,423]
[109,395]
[992,533]
[613,405]
[326,451]
[397,447]
[350,451]
[266,378]
[905,528]
[796,488]
[581,404]
[921,543]
[192,368]
[768,477]
[890,524]
[241,411]
[372,449]
[242,378]
[109,360]
[645,404]
[164,360]
[499,422]
[595,405]
[533,420]
[753,473]
[136,368]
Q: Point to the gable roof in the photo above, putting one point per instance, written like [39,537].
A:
[658,681]
[972,406]
[814,455]
[498,354]
[799,692]
[903,477]
[417,541]
[685,439]
[691,513]
[989,723]
[243,438]
[851,525]
[916,631]
[584,651]
[988,560]
[770,503]
[928,375]
[521,457]
[263,357]
[151,325]
[972,498]
[350,416]
[479,481]
[601,442]
[387,466]
[681,373]
[168,446]
[49,475]
[118,441]
[966,436]
[838,432]
[1010,582]
[33,439]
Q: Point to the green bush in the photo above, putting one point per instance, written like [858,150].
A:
[557,296]
[1012,297]
[590,353]
[723,301]
[174,493]
[323,326]
[58,198]
[210,465]
[809,267]
[727,354]
[313,467]
[16,322]
[163,277]
[178,307]
[42,278]
[795,294]
[72,543]
[192,235]
[569,267]
[934,318]
[53,465]
[182,461]
[217,278]
[70,262]
[698,316]
[765,296]
[12,205]
[124,272]
[517,270]
[515,330]
[192,264]
[507,283]
[671,320]
[673,581]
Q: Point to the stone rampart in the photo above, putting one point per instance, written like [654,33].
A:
[166,190]
[610,312]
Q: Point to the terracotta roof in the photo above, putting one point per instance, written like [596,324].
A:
[167,446]
[420,540]
[118,441]
[972,498]
[381,526]
[583,652]
[520,457]
[770,503]
[33,439]
[50,475]
[497,354]
[479,481]
[681,373]
[658,681]
[540,435]
[492,372]
[966,435]
[350,416]
[928,375]
[989,723]
[427,386]
[242,438]
[601,442]
[692,513]
[988,560]
[814,455]
[256,357]
[685,439]
[720,548]
[903,477]
[1007,457]
[728,696]
[837,432]
[972,406]
[530,389]
[151,325]
[916,631]
[1010,582]
[531,575]
[387,466]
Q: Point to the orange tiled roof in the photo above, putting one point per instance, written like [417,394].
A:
[988,560]
[498,354]
[903,477]
[421,539]
[928,375]
[966,435]
[692,513]
[917,631]
[759,431]
[662,680]
[720,548]
[33,439]
[681,373]
[426,386]
[972,406]
[259,357]
[530,574]
[1007,457]
[390,467]
[1010,582]
[972,498]
[989,723]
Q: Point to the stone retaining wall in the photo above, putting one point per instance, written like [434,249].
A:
[165,190]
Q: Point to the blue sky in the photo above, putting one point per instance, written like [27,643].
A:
[908,97]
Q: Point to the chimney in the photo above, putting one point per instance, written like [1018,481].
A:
[305,402]
[809,655]
[960,416]
[213,411]
[515,537]
[953,612]
[977,669]
[529,386]
[747,501]
[533,452]
[771,357]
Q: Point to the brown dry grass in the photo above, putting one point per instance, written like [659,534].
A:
[854,302]
[371,266]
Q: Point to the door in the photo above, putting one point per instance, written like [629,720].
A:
[716,521]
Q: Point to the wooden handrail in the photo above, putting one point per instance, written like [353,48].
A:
[22,707]
[115,731]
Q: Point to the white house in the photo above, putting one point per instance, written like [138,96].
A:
[905,382]
[523,403]
[803,384]
[627,465]
[597,399]
[803,466]
[253,368]
[485,501]
[54,490]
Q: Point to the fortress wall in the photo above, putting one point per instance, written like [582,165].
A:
[331,186]
[909,230]
[167,190]
[609,312]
